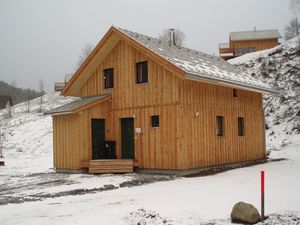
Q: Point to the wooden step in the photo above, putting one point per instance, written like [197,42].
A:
[111,166]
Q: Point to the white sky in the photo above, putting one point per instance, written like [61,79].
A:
[42,39]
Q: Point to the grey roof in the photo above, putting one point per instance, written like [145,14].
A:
[198,65]
[254,35]
[72,106]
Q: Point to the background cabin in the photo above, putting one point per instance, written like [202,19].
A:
[244,42]
[58,86]
[151,105]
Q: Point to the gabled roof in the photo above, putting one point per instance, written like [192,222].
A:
[254,35]
[188,63]
[199,65]
[78,105]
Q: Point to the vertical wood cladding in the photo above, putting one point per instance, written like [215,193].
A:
[186,136]
[258,44]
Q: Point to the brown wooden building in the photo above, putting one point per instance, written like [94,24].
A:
[153,105]
[243,42]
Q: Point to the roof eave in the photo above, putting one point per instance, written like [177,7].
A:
[59,113]
[233,84]
[66,90]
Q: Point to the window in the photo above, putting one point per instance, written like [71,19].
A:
[242,51]
[234,92]
[220,125]
[155,121]
[108,78]
[142,72]
[241,126]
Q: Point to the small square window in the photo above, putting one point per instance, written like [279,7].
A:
[155,121]
[234,92]
[241,131]
[109,78]
[220,126]
[142,72]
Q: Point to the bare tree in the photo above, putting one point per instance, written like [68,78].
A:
[13,94]
[173,36]
[85,52]
[292,29]
[42,92]
[28,98]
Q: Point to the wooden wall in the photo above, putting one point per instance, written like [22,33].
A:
[199,145]
[72,135]
[182,140]
[258,44]
[155,148]
[67,141]
[162,87]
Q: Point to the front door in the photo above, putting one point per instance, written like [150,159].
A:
[98,138]
[127,138]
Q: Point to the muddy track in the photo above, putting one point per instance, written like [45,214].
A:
[142,180]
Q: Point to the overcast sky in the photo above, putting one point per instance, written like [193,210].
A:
[42,39]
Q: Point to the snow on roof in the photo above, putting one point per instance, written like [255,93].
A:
[254,35]
[72,106]
[198,65]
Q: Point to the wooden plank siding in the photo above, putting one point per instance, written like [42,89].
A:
[183,140]
[162,87]
[200,146]
[258,44]
[72,135]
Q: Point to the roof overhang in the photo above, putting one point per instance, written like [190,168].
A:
[80,108]
[232,84]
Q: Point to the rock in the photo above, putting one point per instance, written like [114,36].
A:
[244,213]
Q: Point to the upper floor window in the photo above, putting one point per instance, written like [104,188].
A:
[234,92]
[220,126]
[109,78]
[142,72]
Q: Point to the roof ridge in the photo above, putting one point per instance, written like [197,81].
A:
[194,62]
[179,47]
[254,30]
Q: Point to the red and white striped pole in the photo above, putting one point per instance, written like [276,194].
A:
[262,185]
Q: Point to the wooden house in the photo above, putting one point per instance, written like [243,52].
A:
[58,86]
[243,42]
[151,105]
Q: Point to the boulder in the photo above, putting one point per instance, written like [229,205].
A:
[244,213]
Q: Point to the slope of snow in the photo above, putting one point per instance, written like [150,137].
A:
[197,200]
[27,137]
[279,67]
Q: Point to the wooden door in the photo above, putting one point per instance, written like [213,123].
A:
[98,138]
[127,138]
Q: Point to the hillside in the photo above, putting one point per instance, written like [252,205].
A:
[280,67]
[18,94]
[29,134]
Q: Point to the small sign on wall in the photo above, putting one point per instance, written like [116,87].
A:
[138,130]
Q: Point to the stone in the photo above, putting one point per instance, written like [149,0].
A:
[244,213]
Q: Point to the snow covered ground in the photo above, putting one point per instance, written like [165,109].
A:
[197,200]
[31,193]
